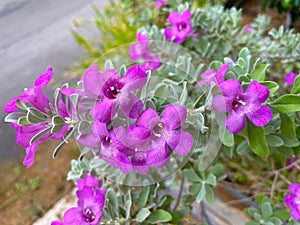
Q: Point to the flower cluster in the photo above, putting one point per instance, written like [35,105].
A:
[139,145]
[91,200]
[34,127]
[293,200]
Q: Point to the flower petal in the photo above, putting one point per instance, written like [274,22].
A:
[259,115]
[231,87]
[139,162]
[180,141]
[44,79]
[93,80]
[186,15]
[148,117]
[30,153]
[36,96]
[105,110]
[134,78]
[295,213]
[130,105]
[170,33]
[173,18]
[141,132]
[222,103]
[11,106]
[73,216]
[174,116]
[221,73]
[26,133]
[158,157]
[290,78]
[257,92]
[235,122]
[89,140]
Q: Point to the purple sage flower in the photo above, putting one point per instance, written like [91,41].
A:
[212,76]
[293,200]
[151,63]
[35,95]
[182,27]
[290,77]
[161,133]
[249,28]
[160,3]
[112,150]
[140,49]
[241,104]
[89,209]
[289,161]
[111,90]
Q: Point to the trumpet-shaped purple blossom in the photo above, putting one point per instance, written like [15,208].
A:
[111,148]
[159,133]
[212,76]
[113,91]
[90,204]
[249,28]
[290,77]
[182,27]
[293,201]
[141,48]
[160,3]
[242,104]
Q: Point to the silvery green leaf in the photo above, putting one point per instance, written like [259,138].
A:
[23,121]
[108,65]
[35,116]
[143,197]
[39,135]
[122,71]
[14,117]
[57,123]
[21,104]
[142,215]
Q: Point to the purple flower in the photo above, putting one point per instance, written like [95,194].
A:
[242,104]
[151,63]
[112,150]
[57,223]
[160,3]
[35,95]
[249,28]
[289,161]
[89,181]
[25,134]
[112,91]
[89,209]
[212,76]
[140,49]
[182,27]
[293,200]
[161,133]
[290,77]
